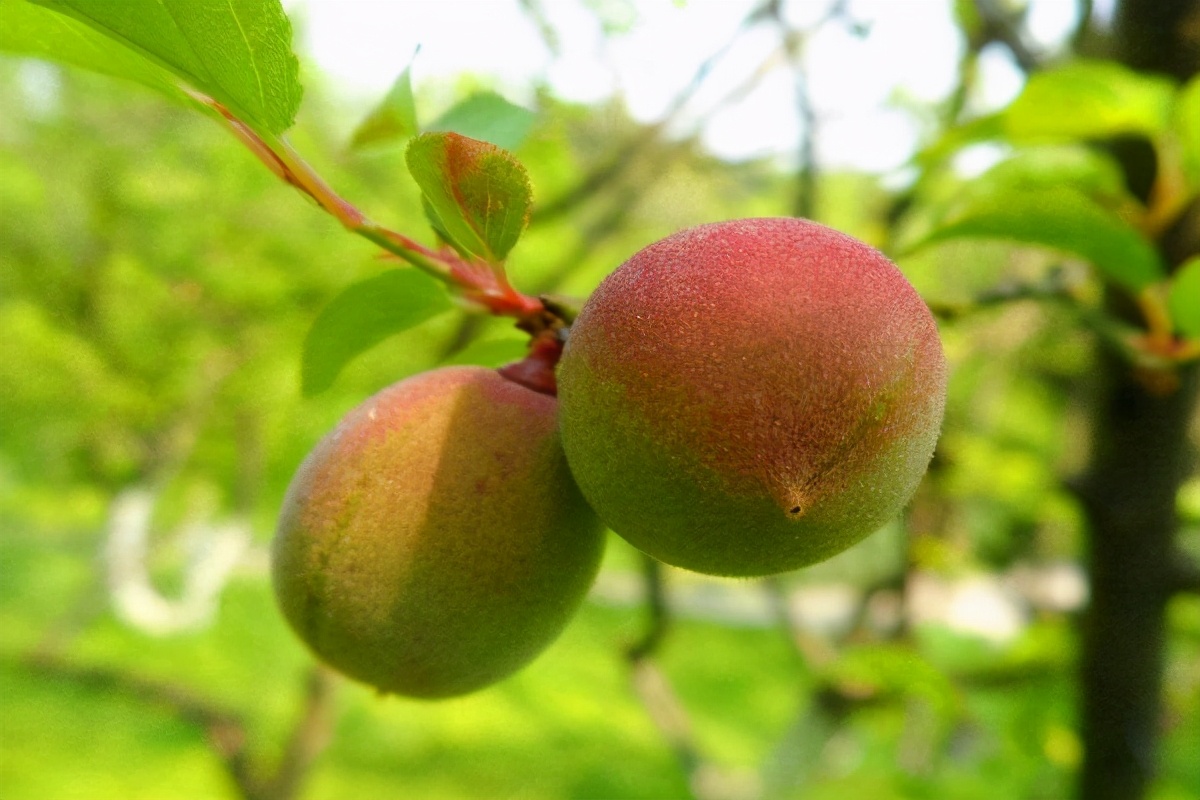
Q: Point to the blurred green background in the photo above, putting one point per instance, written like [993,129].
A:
[156,285]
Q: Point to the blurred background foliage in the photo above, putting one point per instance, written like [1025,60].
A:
[156,285]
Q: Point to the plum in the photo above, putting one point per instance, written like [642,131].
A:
[749,397]
[434,542]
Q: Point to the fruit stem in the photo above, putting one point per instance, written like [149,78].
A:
[536,370]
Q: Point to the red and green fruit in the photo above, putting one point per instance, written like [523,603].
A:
[750,397]
[435,542]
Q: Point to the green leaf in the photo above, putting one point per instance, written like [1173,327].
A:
[1093,173]
[1187,129]
[478,192]
[435,222]
[237,51]
[30,30]
[362,316]
[1184,298]
[1061,219]
[1089,100]
[1081,100]
[393,120]
[488,116]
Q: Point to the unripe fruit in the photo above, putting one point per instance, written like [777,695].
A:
[434,542]
[749,397]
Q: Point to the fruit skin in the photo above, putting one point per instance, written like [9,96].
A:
[434,542]
[749,397]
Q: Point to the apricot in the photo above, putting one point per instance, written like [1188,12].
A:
[749,397]
[434,542]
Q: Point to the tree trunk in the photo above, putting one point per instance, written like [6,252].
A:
[1139,459]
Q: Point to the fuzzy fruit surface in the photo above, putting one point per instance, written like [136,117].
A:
[749,397]
[435,542]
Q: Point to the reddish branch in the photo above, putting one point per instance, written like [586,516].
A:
[477,281]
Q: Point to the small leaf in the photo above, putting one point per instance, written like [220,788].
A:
[1184,298]
[30,30]
[393,120]
[362,316]
[1090,100]
[489,117]
[1059,218]
[237,52]
[438,226]
[479,192]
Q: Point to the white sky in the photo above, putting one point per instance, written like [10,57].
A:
[911,52]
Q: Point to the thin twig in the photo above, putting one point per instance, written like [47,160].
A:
[482,283]
[1052,288]
[537,15]
[620,162]
[309,737]
[658,617]
[1084,26]
[226,730]
[812,652]
[794,43]
[1005,27]
[654,689]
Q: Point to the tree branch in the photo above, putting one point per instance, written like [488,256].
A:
[658,618]
[1005,27]
[1056,286]
[656,694]
[618,165]
[482,283]
[225,730]
[309,737]
[794,42]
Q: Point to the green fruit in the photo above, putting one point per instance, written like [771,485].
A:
[749,397]
[434,542]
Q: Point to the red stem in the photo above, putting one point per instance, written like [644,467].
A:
[536,370]
[479,282]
